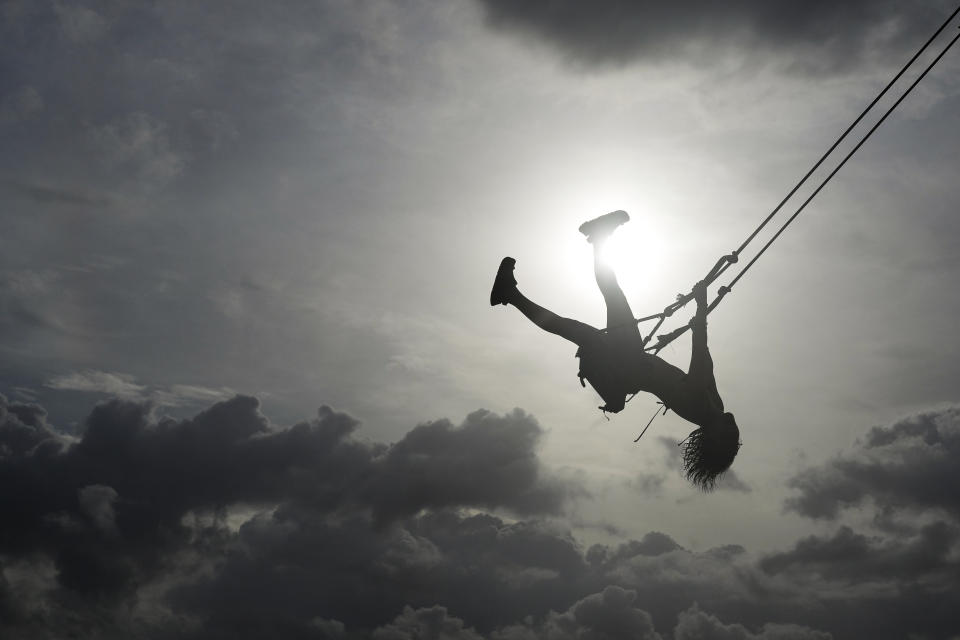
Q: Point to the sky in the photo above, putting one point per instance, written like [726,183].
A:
[252,385]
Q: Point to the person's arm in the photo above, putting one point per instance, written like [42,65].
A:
[699,322]
[701,364]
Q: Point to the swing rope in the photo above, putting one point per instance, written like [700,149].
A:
[844,135]
[844,161]
[724,262]
[652,418]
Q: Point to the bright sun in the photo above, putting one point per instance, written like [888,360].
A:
[635,255]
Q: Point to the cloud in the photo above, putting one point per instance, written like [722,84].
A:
[851,556]
[820,37]
[185,394]
[121,385]
[96,502]
[652,544]
[613,613]
[23,426]
[695,624]
[912,465]
[903,475]
[225,525]
[494,578]
[25,393]
[27,303]
[487,461]
[295,564]
[135,477]
[649,484]
[125,385]
[878,586]
[425,623]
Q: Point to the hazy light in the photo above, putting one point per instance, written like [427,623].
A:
[636,254]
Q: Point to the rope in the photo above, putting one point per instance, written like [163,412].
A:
[843,136]
[652,418]
[842,162]
[724,263]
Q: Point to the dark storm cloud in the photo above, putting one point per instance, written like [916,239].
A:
[911,465]
[430,622]
[821,37]
[852,556]
[488,461]
[126,530]
[878,586]
[470,575]
[338,544]
[23,426]
[695,624]
[609,615]
[613,613]
[905,475]
[109,505]
[298,564]
[652,544]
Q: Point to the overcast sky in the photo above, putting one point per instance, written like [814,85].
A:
[252,385]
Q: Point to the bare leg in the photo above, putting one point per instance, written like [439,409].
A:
[505,292]
[573,330]
[619,315]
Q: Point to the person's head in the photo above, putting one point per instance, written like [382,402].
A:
[709,451]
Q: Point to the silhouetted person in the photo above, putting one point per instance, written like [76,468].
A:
[616,365]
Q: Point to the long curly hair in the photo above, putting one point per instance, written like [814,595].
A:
[709,451]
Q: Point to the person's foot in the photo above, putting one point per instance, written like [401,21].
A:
[600,228]
[504,283]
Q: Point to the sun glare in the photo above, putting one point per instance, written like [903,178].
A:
[635,255]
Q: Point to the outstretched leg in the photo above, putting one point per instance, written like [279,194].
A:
[619,315]
[505,292]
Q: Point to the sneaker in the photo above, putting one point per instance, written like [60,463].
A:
[601,227]
[504,282]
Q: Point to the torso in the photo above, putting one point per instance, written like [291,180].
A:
[636,370]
